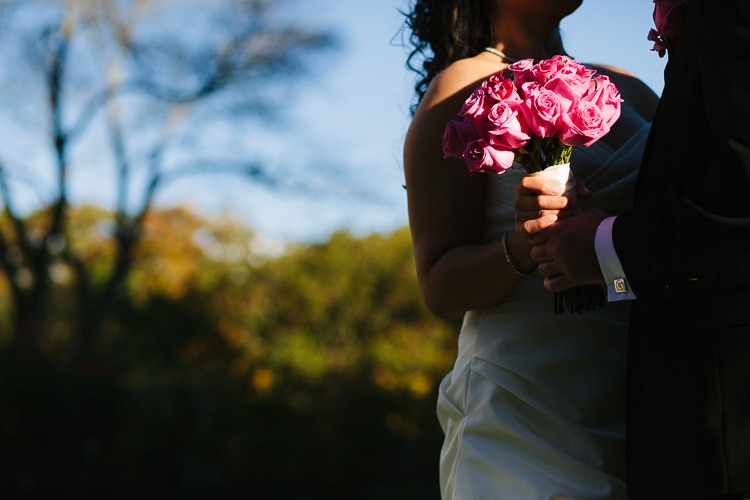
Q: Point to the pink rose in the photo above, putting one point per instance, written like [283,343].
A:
[542,112]
[501,89]
[477,105]
[483,157]
[569,89]
[521,71]
[544,70]
[583,125]
[573,67]
[529,87]
[607,98]
[506,130]
[668,18]
[456,136]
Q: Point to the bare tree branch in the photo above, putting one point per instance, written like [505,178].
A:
[127,86]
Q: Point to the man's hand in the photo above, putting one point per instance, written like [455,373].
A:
[565,252]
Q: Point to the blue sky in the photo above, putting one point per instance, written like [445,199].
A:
[346,125]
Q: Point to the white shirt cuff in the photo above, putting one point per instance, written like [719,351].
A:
[618,287]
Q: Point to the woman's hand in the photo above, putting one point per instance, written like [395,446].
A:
[540,203]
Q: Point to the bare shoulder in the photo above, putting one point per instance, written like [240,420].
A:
[633,90]
[460,78]
[442,102]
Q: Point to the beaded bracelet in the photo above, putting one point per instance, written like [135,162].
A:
[510,261]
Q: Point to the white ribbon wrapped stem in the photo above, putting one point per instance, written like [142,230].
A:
[560,174]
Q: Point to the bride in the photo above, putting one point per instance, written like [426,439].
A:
[534,407]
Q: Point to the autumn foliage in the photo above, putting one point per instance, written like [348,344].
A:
[225,372]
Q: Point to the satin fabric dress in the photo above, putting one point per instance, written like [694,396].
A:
[534,407]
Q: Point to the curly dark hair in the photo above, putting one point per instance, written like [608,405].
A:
[444,31]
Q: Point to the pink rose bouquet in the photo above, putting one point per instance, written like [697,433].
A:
[533,115]
[668,18]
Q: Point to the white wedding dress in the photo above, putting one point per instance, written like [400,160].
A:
[534,407]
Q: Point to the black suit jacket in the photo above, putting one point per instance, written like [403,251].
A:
[685,248]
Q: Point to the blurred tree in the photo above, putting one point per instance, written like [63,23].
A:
[348,306]
[309,374]
[124,94]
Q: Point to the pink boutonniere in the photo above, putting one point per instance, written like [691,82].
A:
[668,18]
